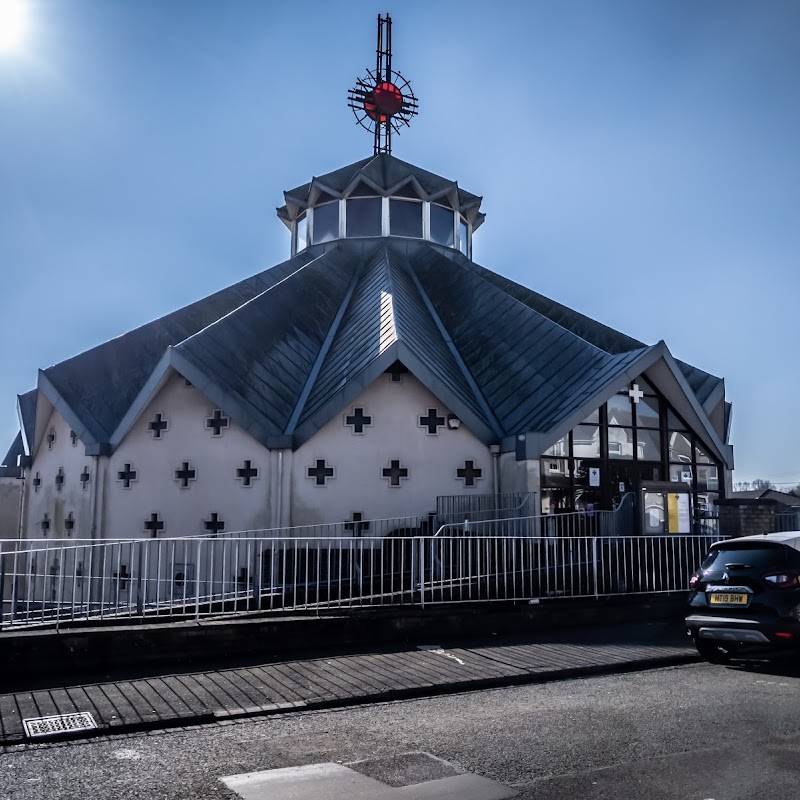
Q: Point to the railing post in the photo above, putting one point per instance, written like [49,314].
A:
[197,583]
[139,597]
[594,566]
[422,572]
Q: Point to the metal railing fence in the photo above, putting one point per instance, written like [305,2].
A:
[204,577]
[787,521]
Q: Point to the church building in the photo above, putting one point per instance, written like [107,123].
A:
[375,370]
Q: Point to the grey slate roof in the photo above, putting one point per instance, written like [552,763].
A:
[8,466]
[100,384]
[285,351]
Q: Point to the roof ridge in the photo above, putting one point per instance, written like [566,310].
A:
[319,361]
[253,299]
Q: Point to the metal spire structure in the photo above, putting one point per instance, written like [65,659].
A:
[383,101]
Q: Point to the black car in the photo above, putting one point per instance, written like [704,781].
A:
[746,596]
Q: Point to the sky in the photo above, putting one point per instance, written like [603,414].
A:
[639,162]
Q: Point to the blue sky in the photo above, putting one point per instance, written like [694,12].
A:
[638,162]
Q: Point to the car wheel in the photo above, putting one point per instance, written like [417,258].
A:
[714,652]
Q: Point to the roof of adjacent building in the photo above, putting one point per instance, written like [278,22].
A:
[766,494]
[284,351]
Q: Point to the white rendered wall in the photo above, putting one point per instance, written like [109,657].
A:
[10,494]
[74,497]
[214,458]
[358,485]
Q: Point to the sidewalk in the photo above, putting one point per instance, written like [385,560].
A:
[123,703]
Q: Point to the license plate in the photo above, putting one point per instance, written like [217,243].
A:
[728,599]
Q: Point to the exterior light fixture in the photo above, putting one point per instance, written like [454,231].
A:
[453,422]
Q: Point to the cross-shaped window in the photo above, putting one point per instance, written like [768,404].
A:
[126,475]
[469,472]
[45,524]
[51,438]
[214,524]
[84,477]
[217,422]
[37,482]
[184,474]
[153,525]
[432,422]
[394,472]
[246,473]
[357,524]
[320,472]
[69,523]
[74,437]
[60,479]
[358,420]
[157,426]
[122,577]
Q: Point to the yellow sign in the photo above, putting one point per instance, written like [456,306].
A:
[678,512]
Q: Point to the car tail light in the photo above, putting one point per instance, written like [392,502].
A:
[694,580]
[783,580]
[782,635]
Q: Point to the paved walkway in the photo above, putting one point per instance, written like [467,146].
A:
[184,697]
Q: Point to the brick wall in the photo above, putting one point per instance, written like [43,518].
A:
[747,517]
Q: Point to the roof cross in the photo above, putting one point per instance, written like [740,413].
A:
[636,394]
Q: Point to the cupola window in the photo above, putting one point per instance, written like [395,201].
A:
[325,226]
[463,236]
[364,216]
[405,218]
[442,225]
[302,233]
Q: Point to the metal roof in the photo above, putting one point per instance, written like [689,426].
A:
[285,351]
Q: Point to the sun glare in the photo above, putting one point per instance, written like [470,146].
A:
[13,24]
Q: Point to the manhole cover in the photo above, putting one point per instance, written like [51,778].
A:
[59,723]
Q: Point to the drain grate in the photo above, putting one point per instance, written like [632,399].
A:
[59,723]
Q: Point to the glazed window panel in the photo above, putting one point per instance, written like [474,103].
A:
[302,232]
[442,225]
[677,472]
[405,218]
[364,216]
[586,441]
[593,418]
[326,223]
[701,456]
[619,410]
[555,471]
[620,443]
[674,422]
[648,445]
[560,448]
[680,447]
[647,412]
[707,477]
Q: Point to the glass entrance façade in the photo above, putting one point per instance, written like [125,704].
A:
[633,440]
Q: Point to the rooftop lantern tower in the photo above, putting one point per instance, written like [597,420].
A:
[381,195]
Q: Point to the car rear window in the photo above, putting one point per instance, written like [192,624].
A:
[757,556]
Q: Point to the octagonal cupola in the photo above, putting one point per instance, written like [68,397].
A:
[381,196]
